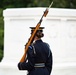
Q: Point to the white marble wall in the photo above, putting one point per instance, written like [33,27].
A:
[60,33]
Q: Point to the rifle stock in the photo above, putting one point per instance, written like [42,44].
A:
[29,43]
[33,34]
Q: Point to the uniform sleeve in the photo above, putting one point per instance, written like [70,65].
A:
[29,64]
[49,63]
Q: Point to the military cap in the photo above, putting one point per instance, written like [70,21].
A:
[39,32]
[40,29]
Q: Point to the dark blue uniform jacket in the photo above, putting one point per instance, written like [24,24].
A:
[39,52]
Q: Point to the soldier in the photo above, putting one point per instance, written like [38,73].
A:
[39,56]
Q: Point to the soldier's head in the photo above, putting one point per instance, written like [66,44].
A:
[39,32]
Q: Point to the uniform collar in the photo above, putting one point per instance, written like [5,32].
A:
[38,40]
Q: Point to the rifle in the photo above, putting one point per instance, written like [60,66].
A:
[33,34]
